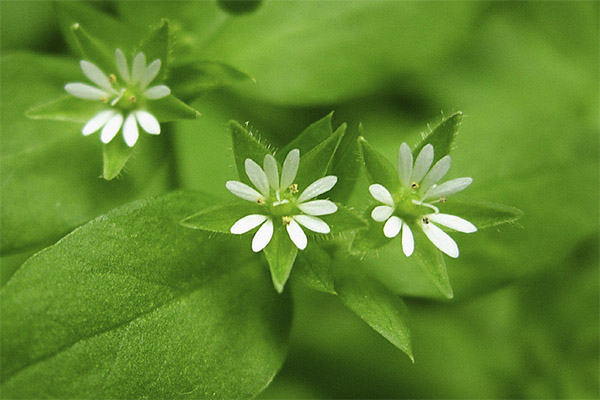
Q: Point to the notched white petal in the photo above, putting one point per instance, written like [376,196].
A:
[157,92]
[382,213]
[130,130]
[440,239]
[96,75]
[405,164]
[263,236]
[448,188]
[318,207]
[149,74]
[97,122]
[315,224]
[257,176]
[148,122]
[297,235]
[270,168]
[423,163]
[85,91]
[437,172]
[247,223]
[453,222]
[392,227]
[122,66]
[243,191]
[380,193]
[408,241]
[318,187]
[138,68]
[111,128]
[290,168]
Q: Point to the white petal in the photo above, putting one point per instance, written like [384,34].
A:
[111,128]
[138,68]
[380,193]
[297,234]
[122,66]
[382,213]
[148,122]
[448,188]
[315,224]
[440,239]
[436,173]
[97,122]
[318,187]
[405,164]
[149,74]
[243,191]
[85,91]
[392,227]
[257,176]
[408,242]
[247,223]
[95,74]
[290,168]
[453,222]
[423,163]
[318,207]
[157,92]
[130,130]
[263,236]
[270,167]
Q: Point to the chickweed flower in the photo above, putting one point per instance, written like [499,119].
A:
[125,97]
[281,201]
[414,204]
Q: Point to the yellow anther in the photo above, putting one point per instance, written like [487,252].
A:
[104,99]
[442,200]
[414,185]
[112,78]
[293,188]
[132,99]
[286,220]
[260,200]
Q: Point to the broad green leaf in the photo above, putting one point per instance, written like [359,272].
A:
[482,214]
[309,138]
[170,108]
[378,168]
[67,108]
[156,46]
[191,78]
[115,155]
[370,239]
[220,218]
[441,137]
[375,304]
[346,165]
[280,254]
[313,269]
[431,261]
[133,305]
[315,163]
[344,220]
[246,145]
[93,49]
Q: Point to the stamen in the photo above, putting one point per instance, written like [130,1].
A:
[260,200]
[425,220]
[104,99]
[112,78]
[293,188]
[132,99]
[414,185]
[286,220]
[442,200]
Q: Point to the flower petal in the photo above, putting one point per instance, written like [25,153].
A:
[148,122]
[257,176]
[453,222]
[380,193]
[111,128]
[318,187]
[157,92]
[85,91]
[382,213]
[138,68]
[270,168]
[408,242]
[247,223]
[448,188]
[95,74]
[392,227]
[149,74]
[318,207]
[243,191]
[122,66]
[263,236]
[97,122]
[440,239]
[290,168]
[315,224]
[130,130]
[423,163]
[436,173]
[405,164]
[297,234]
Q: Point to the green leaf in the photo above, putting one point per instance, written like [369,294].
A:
[170,108]
[280,253]
[67,108]
[431,261]
[481,213]
[370,239]
[190,78]
[133,305]
[316,133]
[344,220]
[378,168]
[246,145]
[220,218]
[92,49]
[115,155]
[346,165]
[239,7]
[156,46]
[315,163]
[375,304]
[313,269]
[441,137]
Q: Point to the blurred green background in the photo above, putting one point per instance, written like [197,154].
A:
[525,319]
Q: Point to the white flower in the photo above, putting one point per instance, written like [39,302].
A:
[126,101]
[419,183]
[277,195]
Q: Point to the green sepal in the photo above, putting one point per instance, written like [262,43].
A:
[67,108]
[156,46]
[280,253]
[378,306]
[378,168]
[313,269]
[343,220]
[115,155]
[315,163]
[346,165]
[170,108]
[441,137]
[316,133]
[189,78]
[93,49]
[481,213]
[245,145]
[431,261]
[221,217]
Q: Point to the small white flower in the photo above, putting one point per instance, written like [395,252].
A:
[278,197]
[126,102]
[419,188]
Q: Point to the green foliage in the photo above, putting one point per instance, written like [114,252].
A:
[377,167]
[280,254]
[313,269]
[441,137]
[246,145]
